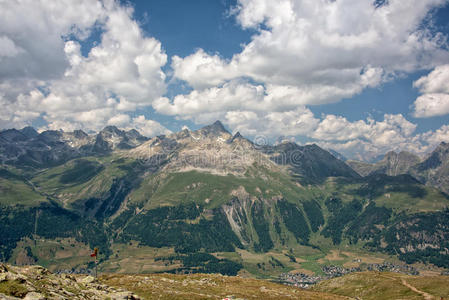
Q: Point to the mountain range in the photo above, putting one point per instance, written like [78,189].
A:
[203,192]
[433,170]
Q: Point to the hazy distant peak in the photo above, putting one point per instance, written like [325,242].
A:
[12,135]
[112,129]
[29,131]
[237,135]
[80,134]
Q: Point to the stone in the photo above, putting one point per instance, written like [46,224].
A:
[5,297]
[123,296]
[17,277]
[3,268]
[88,279]
[34,296]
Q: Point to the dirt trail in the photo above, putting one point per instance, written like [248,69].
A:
[426,296]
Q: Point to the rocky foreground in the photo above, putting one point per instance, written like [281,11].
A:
[35,282]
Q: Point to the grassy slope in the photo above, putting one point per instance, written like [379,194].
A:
[135,258]
[410,198]
[366,285]
[201,286]
[69,183]
[14,190]
[377,285]
[173,188]
[61,253]
[194,186]
[433,201]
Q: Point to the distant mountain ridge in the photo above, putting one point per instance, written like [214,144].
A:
[432,170]
[207,191]
[51,147]
[392,164]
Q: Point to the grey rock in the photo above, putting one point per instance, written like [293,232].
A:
[34,296]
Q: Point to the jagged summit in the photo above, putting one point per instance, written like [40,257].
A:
[337,154]
[310,163]
[80,134]
[112,129]
[217,124]
[12,135]
[210,149]
[215,129]
[392,164]
[213,149]
[434,170]
[29,131]
[28,147]
[111,138]
[236,136]
[51,134]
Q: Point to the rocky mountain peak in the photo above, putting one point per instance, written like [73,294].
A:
[443,147]
[390,154]
[134,133]
[434,170]
[309,163]
[111,138]
[215,129]
[337,155]
[29,131]
[80,134]
[236,136]
[51,135]
[391,164]
[112,129]
[13,135]
[217,124]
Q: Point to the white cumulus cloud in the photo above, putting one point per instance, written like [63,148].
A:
[434,87]
[322,51]
[44,73]
[148,128]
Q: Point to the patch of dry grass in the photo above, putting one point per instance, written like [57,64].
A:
[208,286]
[134,258]
[437,286]
[385,285]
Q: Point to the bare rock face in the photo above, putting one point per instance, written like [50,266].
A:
[53,147]
[309,163]
[37,283]
[210,149]
[214,150]
[392,164]
[112,138]
[434,170]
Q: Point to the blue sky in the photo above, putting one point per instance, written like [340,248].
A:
[184,26]
[355,76]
